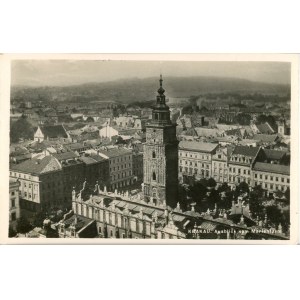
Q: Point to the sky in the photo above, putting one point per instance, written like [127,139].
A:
[72,72]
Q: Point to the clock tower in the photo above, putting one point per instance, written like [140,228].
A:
[161,155]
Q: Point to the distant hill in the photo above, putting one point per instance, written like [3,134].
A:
[134,89]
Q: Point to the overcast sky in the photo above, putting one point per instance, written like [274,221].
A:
[69,72]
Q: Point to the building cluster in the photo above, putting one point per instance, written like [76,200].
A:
[120,179]
[235,164]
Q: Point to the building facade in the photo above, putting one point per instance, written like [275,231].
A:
[14,202]
[240,164]
[41,183]
[195,160]
[120,167]
[220,164]
[161,155]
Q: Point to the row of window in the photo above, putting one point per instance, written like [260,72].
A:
[195,164]
[194,155]
[14,174]
[120,159]
[272,178]
[271,186]
[121,184]
[120,175]
[111,218]
[239,171]
[120,167]
[192,171]
[242,159]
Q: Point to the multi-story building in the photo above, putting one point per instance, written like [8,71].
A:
[161,155]
[72,173]
[137,166]
[195,159]
[220,164]
[271,177]
[240,164]
[120,167]
[96,170]
[41,183]
[14,202]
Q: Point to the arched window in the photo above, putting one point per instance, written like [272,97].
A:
[153,176]
[153,154]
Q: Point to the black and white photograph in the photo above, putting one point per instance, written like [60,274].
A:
[119,149]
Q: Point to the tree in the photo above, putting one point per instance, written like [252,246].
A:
[23,225]
[211,182]
[39,219]
[243,119]
[21,129]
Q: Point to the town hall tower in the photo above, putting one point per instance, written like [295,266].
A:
[161,155]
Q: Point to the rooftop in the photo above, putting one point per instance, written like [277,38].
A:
[54,131]
[265,137]
[245,150]
[197,146]
[38,165]
[115,152]
[272,168]
[65,155]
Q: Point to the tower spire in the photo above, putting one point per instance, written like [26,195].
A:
[161,89]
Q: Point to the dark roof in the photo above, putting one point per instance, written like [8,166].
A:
[54,131]
[65,155]
[274,154]
[272,168]
[265,128]
[38,166]
[265,137]
[245,150]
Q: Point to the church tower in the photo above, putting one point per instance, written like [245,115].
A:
[161,155]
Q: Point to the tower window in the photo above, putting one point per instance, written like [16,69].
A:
[153,154]
[153,176]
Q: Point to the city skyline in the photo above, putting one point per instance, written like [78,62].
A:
[36,73]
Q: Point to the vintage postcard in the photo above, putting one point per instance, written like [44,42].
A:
[149,148]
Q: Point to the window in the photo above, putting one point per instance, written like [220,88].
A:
[13,216]
[271,178]
[266,177]
[255,175]
[153,154]
[276,178]
[260,176]
[288,180]
[153,176]
[282,179]
[13,204]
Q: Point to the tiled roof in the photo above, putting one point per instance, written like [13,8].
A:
[38,166]
[272,168]
[274,154]
[54,131]
[245,150]
[197,146]
[65,155]
[265,137]
[114,152]
[265,128]
[208,131]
